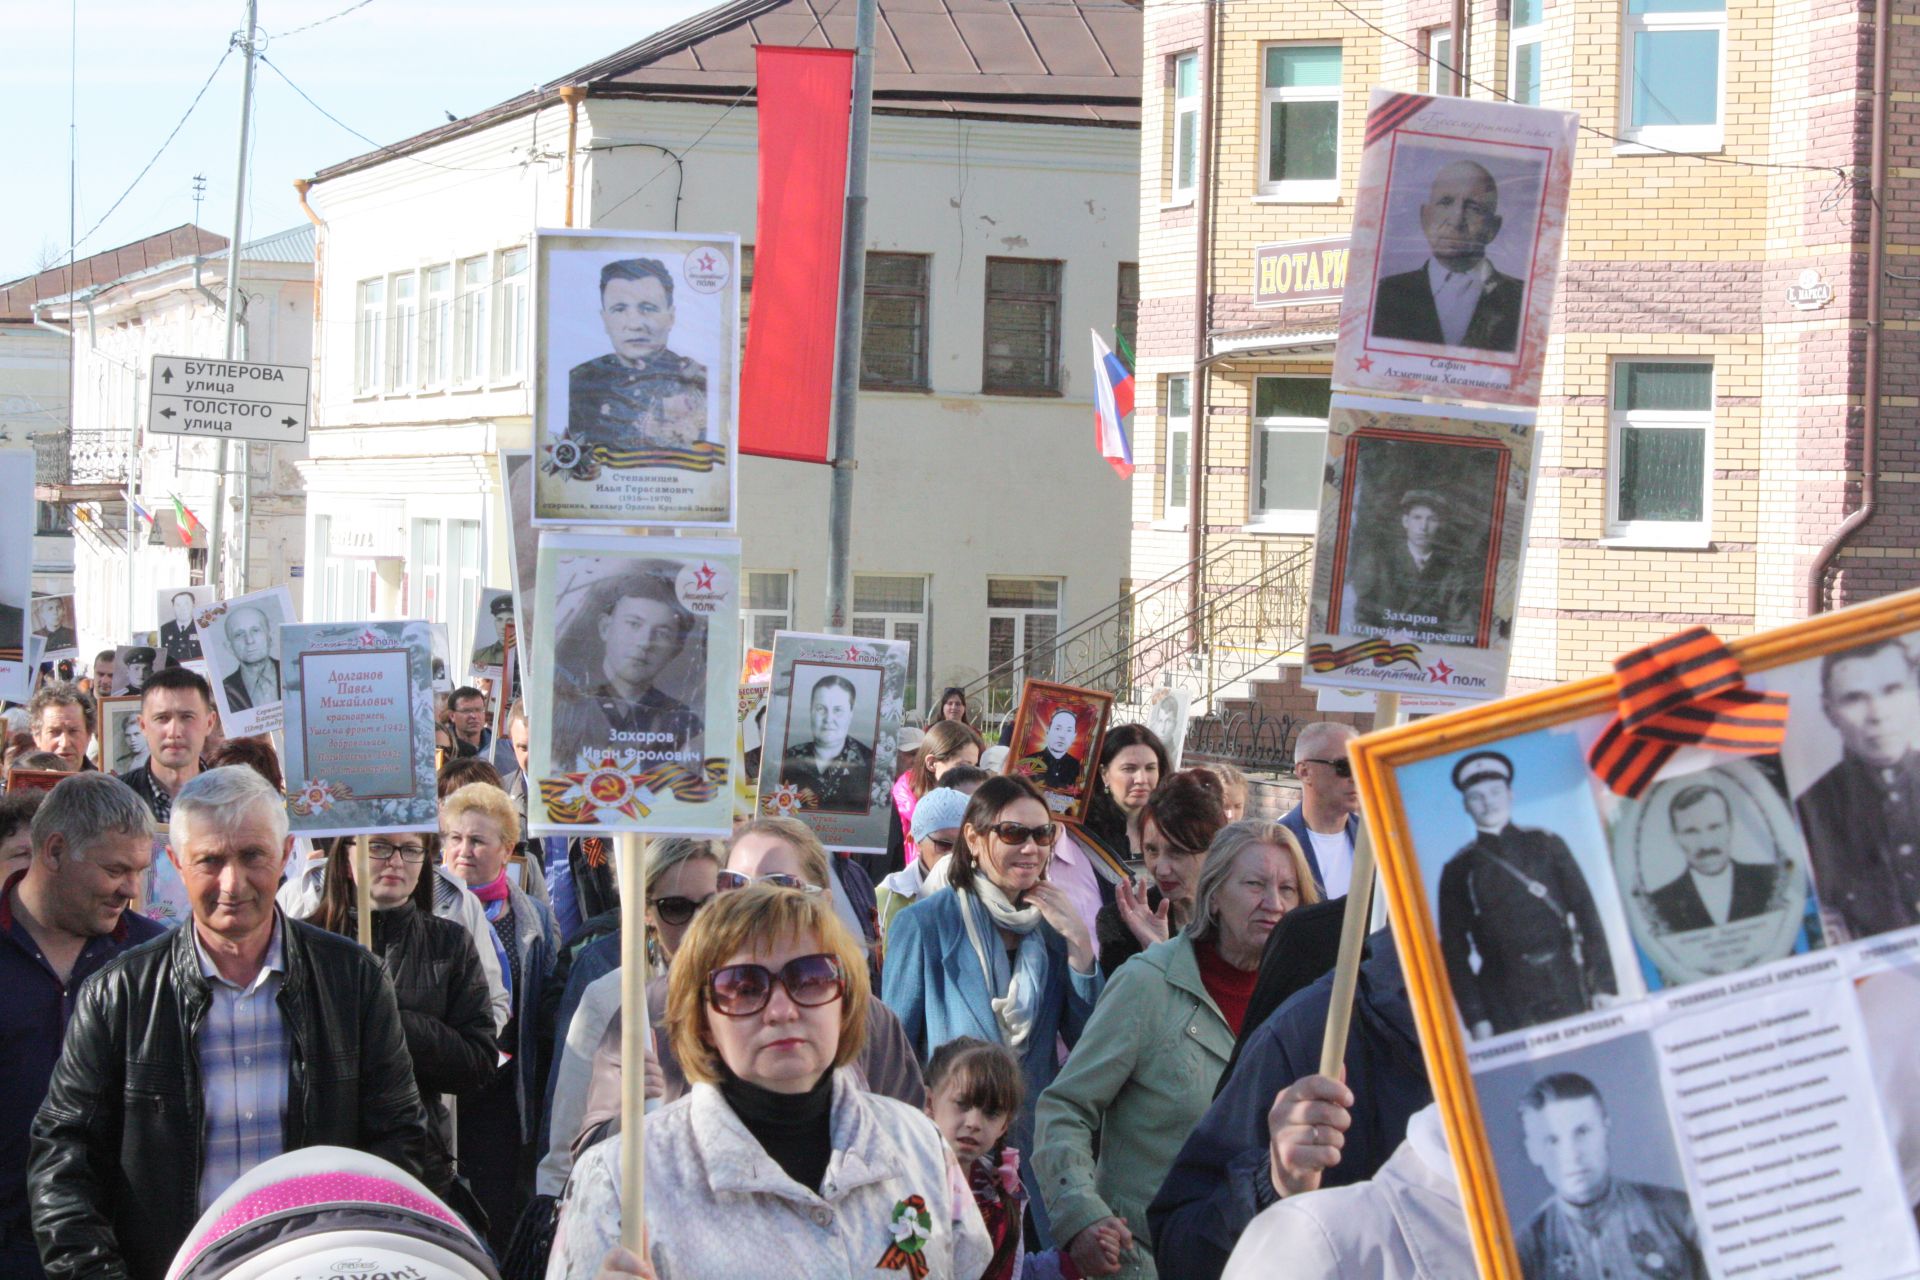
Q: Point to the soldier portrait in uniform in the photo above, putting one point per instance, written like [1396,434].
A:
[179,641]
[523,544]
[53,623]
[630,662]
[829,753]
[132,667]
[637,353]
[121,743]
[1520,933]
[1057,732]
[1859,805]
[493,632]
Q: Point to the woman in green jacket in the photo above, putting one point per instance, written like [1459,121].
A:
[1144,1069]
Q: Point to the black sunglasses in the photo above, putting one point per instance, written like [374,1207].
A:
[1018,833]
[742,990]
[677,910]
[1341,768]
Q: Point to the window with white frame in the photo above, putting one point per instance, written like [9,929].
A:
[1675,77]
[1177,458]
[436,346]
[1023,617]
[894,607]
[370,338]
[471,320]
[510,316]
[346,582]
[1660,451]
[1186,126]
[1523,52]
[1438,79]
[443,580]
[767,607]
[404,328]
[1300,121]
[1290,434]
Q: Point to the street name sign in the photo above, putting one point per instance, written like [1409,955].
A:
[228,400]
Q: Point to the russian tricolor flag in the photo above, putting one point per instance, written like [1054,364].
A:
[1112,402]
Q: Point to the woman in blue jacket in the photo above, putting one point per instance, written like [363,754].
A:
[1000,953]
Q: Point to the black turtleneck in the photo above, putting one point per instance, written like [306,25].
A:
[796,1129]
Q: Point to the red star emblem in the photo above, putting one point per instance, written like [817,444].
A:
[1439,672]
[1364,364]
[703,577]
[706,261]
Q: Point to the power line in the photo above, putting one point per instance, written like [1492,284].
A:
[381,146]
[282,35]
[680,159]
[163,147]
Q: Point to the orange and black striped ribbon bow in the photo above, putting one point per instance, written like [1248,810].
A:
[1686,690]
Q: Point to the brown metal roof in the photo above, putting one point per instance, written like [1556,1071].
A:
[1053,61]
[18,296]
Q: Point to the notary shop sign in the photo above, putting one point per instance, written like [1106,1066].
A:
[1300,271]
[1810,292]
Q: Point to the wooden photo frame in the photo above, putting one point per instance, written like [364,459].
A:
[1042,751]
[1658,1052]
[20,781]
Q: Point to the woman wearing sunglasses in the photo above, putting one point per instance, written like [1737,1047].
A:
[1326,822]
[498,1122]
[1001,953]
[1176,825]
[785,851]
[444,1006]
[776,1162]
[1157,1043]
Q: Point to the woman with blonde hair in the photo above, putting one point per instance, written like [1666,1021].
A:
[775,1162]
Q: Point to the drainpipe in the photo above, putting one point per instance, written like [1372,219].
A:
[1197,385]
[219,304]
[573,95]
[1876,274]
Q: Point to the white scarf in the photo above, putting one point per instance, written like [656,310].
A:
[1014,989]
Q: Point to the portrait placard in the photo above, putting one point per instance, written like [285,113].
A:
[177,607]
[16,571]
[1660,972]
[1167,716]
[493,634]
[359,727]
[749,746]
[241,640]
[523,544]
[636,378]
[53,622]
[1057,733]
[756,667]
[133,664]
[834,709]
[1457,228]
[629,722]
[442,657]
[1423,524]
[119,742]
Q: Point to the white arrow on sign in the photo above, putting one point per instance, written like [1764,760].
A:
[228,400]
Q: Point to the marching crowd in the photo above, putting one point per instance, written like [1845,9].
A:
[1013,1046]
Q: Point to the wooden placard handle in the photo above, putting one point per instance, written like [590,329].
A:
[1353,927]
[635,1031]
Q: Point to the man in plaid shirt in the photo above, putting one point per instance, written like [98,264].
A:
[189,1060]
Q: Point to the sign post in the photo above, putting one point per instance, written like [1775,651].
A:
[228,400]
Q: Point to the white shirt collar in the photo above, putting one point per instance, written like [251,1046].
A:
[1480,273]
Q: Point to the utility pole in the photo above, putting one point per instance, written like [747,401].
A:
[214,552]
[853,289]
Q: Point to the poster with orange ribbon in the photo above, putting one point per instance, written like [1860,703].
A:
[1661,931]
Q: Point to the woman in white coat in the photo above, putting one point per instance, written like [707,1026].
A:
[775,1162]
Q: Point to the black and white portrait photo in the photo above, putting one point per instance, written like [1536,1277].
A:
[53,622]
[133,665]
[241,641]
[1420,532]
[1852,759]
[493,633]
[123,742]
[177,607]
[523,547]
[1583,1146]
[629,663]
[1457,247]
[638,346]
[833,720]
[1713,870]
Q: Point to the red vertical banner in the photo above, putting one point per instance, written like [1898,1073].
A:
[805,100]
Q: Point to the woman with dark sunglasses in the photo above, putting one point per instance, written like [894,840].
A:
[445,1008]
[1001,953]
[776,1162]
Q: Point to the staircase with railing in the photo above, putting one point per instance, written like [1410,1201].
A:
[1250,611]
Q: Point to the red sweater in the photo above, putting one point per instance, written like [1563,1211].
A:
[1230,988]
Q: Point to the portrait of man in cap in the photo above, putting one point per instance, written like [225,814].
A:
[1414,582]
[133,666]
[494,655]
[1457,297]
[1522,939]
[613,656]
[641,394]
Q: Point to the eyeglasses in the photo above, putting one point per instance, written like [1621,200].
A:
[728,881]
[742,990]
[383,850]
[677,910]
[1015,833]
[1341,768]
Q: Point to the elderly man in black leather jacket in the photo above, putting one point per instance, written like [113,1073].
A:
[159,1101]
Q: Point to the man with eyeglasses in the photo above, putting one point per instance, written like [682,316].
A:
[1326,822]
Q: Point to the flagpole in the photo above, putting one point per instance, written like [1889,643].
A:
[215,549]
